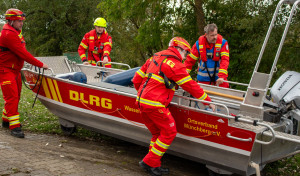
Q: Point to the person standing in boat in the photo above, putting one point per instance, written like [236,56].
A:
[98,43]
[156,82]
[212,51]
[12,56]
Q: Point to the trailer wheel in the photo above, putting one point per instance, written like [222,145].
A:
[68,130]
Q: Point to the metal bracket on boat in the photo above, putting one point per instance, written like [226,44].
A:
[115,63]
[52,72]
[272,131]
[239,139]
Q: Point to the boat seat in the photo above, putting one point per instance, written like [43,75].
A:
[123,78]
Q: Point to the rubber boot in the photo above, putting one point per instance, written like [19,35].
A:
[153,171]
[5,124]
[17,132]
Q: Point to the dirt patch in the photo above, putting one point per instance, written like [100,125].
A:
[40,154]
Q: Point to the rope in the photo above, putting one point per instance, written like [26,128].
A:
[37,93]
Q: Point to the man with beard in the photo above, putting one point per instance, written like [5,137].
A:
[213,53]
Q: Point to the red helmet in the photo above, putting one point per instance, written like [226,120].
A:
[180,42]
[14,14]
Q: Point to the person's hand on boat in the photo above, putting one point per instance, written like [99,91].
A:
[45,66]
[212,107]
[219,81]
[105,60]
[86,63]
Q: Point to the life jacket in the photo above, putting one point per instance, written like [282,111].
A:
[154,69]
[201,46]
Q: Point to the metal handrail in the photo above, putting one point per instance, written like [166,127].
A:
[292,12]
[203,101]
[116,63]
[68,65]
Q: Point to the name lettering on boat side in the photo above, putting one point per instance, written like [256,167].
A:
[202,127]
[128,108]
[92,99]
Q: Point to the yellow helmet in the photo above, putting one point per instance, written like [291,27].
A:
[101,22]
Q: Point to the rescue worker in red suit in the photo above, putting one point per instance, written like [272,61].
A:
[212,52]
[12,56]
[98,44]
[155,82]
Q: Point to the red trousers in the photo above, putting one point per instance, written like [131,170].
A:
[162,126]
[11,85]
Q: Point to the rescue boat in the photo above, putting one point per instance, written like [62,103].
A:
[245,132]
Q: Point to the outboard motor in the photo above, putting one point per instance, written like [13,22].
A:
[286,93]
[74,76]
[123,78]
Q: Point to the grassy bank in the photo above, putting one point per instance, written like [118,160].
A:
[40,120]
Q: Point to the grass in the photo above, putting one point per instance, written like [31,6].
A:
[40,120]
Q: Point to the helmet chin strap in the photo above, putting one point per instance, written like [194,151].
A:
[11,23]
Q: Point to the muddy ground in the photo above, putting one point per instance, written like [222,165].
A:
[48,155]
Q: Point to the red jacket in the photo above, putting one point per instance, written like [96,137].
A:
[223,54]
[12,50]
[155,94]
[97,47]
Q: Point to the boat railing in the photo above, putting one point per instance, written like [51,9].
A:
[115,63]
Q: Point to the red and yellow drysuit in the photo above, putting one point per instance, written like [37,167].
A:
[12,56]
[214,60]
[154,97]
[97,47]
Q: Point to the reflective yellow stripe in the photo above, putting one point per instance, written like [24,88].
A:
[141,73]
[218,45]
[82,56]
[95,52]
[193,56]
[83,45]
[157,78]
[161,144]
[152,143]
[188,70]
[57,90]
[200,46]
[150,102]
[182,43]
[203,97]
[106,52]
[45,87]
[107,43]
[224,54]
[92,38]
[157,152]
[223,71]
[12,118]
[14,122]
[6,82]
[52,89]
[184,80]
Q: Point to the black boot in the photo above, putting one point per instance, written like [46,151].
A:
[17,132]
[164,171]
[153,171]
[5,124]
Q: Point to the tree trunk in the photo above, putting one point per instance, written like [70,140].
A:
[199,16]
